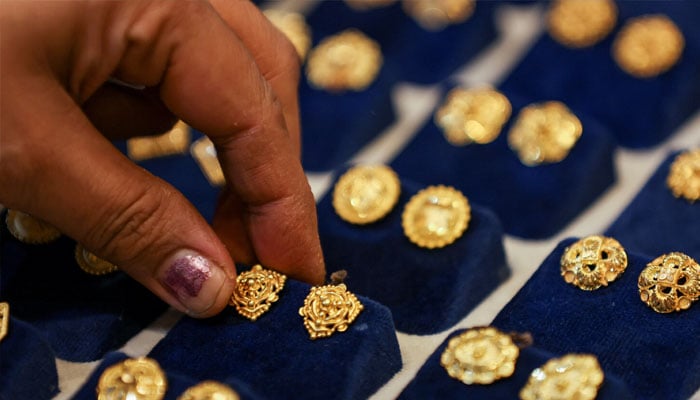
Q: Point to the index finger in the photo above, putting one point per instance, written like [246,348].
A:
[211,81]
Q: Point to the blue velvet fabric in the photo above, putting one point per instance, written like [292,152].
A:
[639,112]
[26,357]
[433,382]
[410,51]
[427,290]
[656,355]
[531,202]
[177,384]
[276,356]
[82,316]
[656,222]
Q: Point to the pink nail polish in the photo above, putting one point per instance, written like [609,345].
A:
[187,274]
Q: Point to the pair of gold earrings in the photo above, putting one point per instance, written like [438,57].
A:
[484,355]
[671,282]
[433,218]
[326,310]
[543,133]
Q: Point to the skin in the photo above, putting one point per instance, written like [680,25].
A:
[222,68]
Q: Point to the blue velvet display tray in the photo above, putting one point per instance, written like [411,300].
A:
[427,290]
[410,51]
[275,355]
[81,316]
[531,202]
[177,384]
[656,222]
[433,382]
[26,356]
[656,355]
[639,112]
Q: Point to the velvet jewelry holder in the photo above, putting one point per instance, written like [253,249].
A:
[27,363]
[656,222]
[433,382]
[411,52]
[177,384]
[531,202]
[276,357]
[426,290]
[81,316]
[639,112]
[656,355]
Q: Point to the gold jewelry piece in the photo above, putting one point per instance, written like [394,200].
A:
[362,5]
[328,309]
[593,261]
[472,115]
[209,390]
[347,61]
[365,194]
[648,46]
[175,141]
[30,230]
[293,26]
[684,176]
[436,216]
[204,153]
[480,355]
[581,23]
[92,264]
[435,15]
[544,133]
[670,283]
[256,290]
[136,378]
[4,319]
[573,376]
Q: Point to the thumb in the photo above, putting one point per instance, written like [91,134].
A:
[69,175]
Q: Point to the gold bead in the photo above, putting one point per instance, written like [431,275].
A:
[365,194]
[256,290]
[136,378]
[28,229]
[329,309]
[544,133]
[581,23]
[480,356]
[684,175]
[436,216]
[573,376]
[648,46]
[472,115]
[671,282]
[593,261]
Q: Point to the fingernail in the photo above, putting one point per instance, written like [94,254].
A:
[194,280]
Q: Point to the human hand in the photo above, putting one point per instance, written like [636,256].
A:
[219,66]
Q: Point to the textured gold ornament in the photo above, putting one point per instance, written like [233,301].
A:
[648,46]
[4,319]
[347,61]
[573,376]
[366,193]
[294,27]
[329,309]
[204,152]
[256,290]
[670,283]
[436,216]
[92,264]
[435,15]
[175,141]
[472,115]
[209,390]
[136,378]
[581,23]
[684,175]
[593,261]
[30,230]
[362,5]
[544,133]
[480,355]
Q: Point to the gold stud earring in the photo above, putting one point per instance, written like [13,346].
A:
[256,290]
[684,176]
[366,194]
[573,376]
[581,23]
[593,261]
[28,229]
[329,309]
[92,264]
[136,378]
[436,216]
[209,390]
[670,282]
